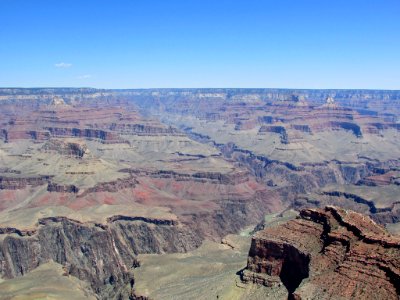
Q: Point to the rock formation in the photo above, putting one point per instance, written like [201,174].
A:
[327,253]
[103,255]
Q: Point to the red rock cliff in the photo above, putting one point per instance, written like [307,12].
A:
[327,253]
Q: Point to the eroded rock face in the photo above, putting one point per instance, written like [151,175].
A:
[15,183]
[294,116]
[69,148]
[327,253]
[297,142]
[103,255]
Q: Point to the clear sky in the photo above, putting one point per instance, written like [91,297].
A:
[200,43]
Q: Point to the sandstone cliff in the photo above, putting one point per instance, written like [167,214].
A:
[327,253]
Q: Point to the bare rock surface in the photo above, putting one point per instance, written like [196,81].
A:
[327,253]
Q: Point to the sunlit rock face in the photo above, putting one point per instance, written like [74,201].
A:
[327,253]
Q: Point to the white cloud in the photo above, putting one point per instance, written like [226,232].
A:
[86,76]
[63,65]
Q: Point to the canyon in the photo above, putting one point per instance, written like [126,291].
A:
[95,182]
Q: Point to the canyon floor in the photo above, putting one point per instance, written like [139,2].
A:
[209,272]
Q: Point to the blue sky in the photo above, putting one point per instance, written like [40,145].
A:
[202,43]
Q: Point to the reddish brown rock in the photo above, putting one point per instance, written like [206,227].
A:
[105,122]
[327,254]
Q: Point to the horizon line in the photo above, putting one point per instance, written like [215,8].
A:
[201,88]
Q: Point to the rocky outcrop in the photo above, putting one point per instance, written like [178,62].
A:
[327,253]
[143,129]
[111,186]
[302,128]
[371,205]
[16,183]
[68,148]
[276,129]
[62,188]
[250,109]
[103,119]
[382,214]
[89,253]
[83,133]
[231,178]
[102,255]
[10,135]
[356,129]
[381,178]
[296,178]
[245,124]
[299,179]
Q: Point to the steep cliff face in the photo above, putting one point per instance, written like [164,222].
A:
[19,182]
[302,177]
[62,188]
[285,263]
[294,183]
[83,133]
[102,255]
[327,253]
[299,179]
[231,178]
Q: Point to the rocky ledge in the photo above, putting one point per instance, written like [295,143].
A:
[327,253]
[103,255]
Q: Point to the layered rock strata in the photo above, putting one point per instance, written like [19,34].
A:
[104,255]
[327,253]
